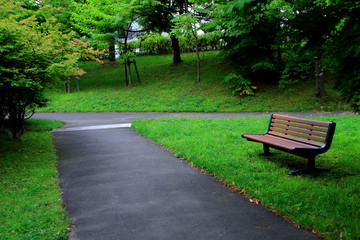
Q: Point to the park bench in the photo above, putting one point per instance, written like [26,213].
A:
[301,137]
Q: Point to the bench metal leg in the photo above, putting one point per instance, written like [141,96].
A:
[310,169]
[266,151]
[311,163]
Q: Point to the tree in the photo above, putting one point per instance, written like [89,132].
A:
[33,53]
[157,16]
[252,31]
[343,49]
[311,26]
[286,40]
[328,31]
[188,24]
[104,22]
[62,10]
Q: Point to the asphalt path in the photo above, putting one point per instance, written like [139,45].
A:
[92,118]
[119,185]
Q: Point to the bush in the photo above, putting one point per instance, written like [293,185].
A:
[240,85]
[16,103]
[155,43]
[33,55]
[295,70]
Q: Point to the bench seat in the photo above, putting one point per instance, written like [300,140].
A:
[279,142]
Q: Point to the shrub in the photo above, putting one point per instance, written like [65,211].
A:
[239,85]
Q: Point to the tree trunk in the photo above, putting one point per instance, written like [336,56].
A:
[176,48]
[77,84]
[129,73]
[16,120]
[319,80]
[197,56]
[67,86]
[112,53]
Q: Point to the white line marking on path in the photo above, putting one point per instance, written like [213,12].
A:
[109,126]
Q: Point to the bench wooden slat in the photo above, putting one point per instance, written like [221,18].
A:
[300,120]
[299,130]
[317,144]
[310,127]
[297,134]
[278,142]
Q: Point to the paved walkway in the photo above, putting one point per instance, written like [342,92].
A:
[119,185]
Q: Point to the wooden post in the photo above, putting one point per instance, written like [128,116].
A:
[128,78]
[126,75]
[129,73]
[137,72]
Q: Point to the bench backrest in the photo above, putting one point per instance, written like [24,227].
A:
[316,133]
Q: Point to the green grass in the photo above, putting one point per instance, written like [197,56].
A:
[31,206]
[326,203]
[172,88]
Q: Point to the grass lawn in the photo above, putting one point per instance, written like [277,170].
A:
[172,88]
[30,196]
[326,203]
[31,199]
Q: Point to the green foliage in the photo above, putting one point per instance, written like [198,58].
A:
[209,41]
[296,69]
[127,55]
[154,44]
[34,53]
[188,24]
[31,206]
[103,22]
[344,51]
[241,7]
[216,147]
[156,16]
[278,40]
[185,25]
[17,102]
[62,11]
[187,44]
[239,85]
[251,33]
[268,40]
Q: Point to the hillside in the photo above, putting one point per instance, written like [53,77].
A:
[172,88]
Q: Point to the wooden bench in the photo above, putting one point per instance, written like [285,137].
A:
[301,137]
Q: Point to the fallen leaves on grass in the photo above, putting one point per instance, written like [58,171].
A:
[255,201]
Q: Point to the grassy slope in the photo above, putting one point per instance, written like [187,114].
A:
[327,203]
[172,88]
[30,196]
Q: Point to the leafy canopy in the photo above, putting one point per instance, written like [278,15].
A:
[34,53]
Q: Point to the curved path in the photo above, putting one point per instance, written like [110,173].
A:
[119,185]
